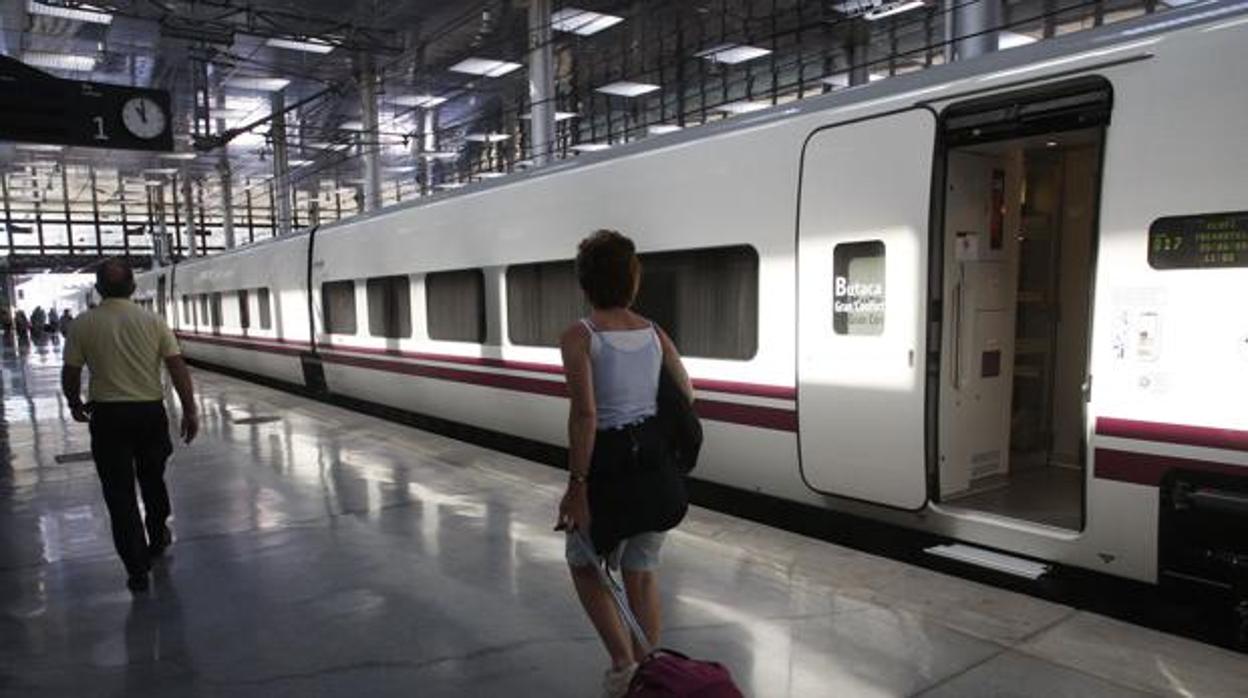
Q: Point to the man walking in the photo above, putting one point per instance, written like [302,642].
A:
[123,346]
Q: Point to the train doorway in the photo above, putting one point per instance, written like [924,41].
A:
[1021,197]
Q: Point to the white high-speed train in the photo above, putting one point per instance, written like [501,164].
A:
[1004,300]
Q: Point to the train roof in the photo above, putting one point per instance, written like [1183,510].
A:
[1105,37]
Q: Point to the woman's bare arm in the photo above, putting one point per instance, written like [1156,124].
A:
[676,367]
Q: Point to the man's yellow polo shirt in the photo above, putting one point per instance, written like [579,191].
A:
[123,345]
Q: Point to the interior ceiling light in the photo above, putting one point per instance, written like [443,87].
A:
[401,168]
[161,170]
[582,22]
[733,54]
[487,137]
[38,147]
[660,129]
[1008,40]
[559,115]
[626,88]
[742,107]
[179,156]
[888,9]
[59,61]
[262,84]
[82,13]
[590,147]
[298,163]
[355,125]
[485,67]
[306,45]
[439,155]
[153,183]
[421,101]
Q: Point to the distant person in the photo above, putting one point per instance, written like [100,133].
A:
[22,324]
[6,319]
[38,319]
[66,318]
[123,347]
[54,321]
[612,360]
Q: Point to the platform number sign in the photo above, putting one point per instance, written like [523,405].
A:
[1204,241]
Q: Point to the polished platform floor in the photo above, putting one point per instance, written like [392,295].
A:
[324,553]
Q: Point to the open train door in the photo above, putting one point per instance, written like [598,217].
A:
[862,238]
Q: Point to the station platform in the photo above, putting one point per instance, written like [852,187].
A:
[321,552]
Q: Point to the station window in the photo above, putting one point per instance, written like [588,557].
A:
[389,307]
[266,312]
[542,300]
[338,306]
[706,299]
[244,310]
[858,300]
[455,305]
[214,309]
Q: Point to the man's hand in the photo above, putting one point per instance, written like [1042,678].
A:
[190,426]
[81,412]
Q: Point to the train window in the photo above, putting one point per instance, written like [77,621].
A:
[542,300]
[244,310]
[389,307]
[203,308]
[338,306]
[858,301]
[214,309]
[455,305]
[186,311]
[266,312]
[706,299]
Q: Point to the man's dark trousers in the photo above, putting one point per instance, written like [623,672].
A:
[129,441]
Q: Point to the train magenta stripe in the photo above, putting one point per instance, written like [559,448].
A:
[1182,434]
[778,419]
[1149,469]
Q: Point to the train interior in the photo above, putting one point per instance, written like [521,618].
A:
[1020,217]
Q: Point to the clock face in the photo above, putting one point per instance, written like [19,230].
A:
[143,117]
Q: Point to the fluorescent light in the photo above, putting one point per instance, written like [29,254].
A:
[310,45]
[298,163]
[590,147]
[443,155]
[491,175]
[179,156]
[421,101]
[153,183]
[354,125]
[1008,40]
[401,168]
[626,88]
[448,185]
[487,137]
[876,77]
[733,53]
[322,145]
[559,115]
[60,61]
[38,147]
[742,107]
[890,9]
[660,129]
[161,170]
[485,67]
[582,22]
[80,14]
[262,84]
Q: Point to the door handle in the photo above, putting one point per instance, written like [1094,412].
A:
[957,336]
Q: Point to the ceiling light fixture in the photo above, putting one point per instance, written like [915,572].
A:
[179,156]
[582,22]
[82,13]
[307,45]
[38,147]
[354,125]
[627,88]
[400,168]
[733,54]
[419,101]
[889,9]
[488,137]
[257,83]
[439,155]
[161,170]
[59,61]
[485,67]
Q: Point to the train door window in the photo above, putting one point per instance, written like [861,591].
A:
[1021,195]
[706,299]
[266,311]
[542,300]
[858,300]
[244,309]
[390,307]
[455,305]
[188,314]
[338,306]
[214,309]
[160,295]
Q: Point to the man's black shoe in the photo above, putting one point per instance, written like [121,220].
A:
[160,542]
[137,583]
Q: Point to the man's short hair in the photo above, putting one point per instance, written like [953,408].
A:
[607,269]
[114,279]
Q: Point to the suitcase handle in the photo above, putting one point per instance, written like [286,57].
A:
[617,592]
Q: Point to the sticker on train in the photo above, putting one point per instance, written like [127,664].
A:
[1205,241]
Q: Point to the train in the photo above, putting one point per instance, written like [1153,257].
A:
[1001,301]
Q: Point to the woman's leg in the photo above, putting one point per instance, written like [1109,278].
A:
[643,597]
[600,607]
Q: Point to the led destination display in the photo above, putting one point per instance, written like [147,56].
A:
[1206,241]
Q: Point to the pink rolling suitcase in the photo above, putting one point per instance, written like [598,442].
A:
[665,673]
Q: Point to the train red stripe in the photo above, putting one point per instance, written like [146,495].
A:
[1149,468]
[1182,434]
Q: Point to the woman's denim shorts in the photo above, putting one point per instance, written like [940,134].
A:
[640,553]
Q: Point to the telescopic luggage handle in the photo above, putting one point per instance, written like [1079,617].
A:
[617,592]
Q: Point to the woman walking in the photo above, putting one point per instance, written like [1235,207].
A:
[612,360]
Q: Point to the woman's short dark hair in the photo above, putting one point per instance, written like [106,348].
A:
[607,269]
